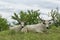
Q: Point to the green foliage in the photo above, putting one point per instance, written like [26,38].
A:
[33,17]
[3,24]
[29,17]
[15,17]
[56,17]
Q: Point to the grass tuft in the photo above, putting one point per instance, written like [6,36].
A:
[53,34]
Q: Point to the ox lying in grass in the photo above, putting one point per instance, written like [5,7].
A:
[40,27]
[16,28]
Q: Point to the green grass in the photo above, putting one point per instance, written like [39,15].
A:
[53,34]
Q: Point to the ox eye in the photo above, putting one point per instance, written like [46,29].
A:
[43,23]
[49,22]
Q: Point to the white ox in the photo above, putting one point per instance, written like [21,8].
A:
[17,27]
[40,27]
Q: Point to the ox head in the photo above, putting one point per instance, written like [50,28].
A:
[22,24]
[46,23]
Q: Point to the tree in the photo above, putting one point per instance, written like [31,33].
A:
[3,24]
[56,17]
[29,17]
[33,17]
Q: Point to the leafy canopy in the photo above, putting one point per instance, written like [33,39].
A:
[29,17]
[3,24]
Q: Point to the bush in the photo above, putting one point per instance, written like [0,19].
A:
[29,17]
[3,24]
[55,17]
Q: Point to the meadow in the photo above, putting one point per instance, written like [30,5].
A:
[52,34]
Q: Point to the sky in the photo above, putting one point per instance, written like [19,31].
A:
[8,7]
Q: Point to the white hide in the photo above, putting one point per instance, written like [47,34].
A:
[15,28]
[35,28]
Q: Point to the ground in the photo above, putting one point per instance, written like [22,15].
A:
[53,34]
